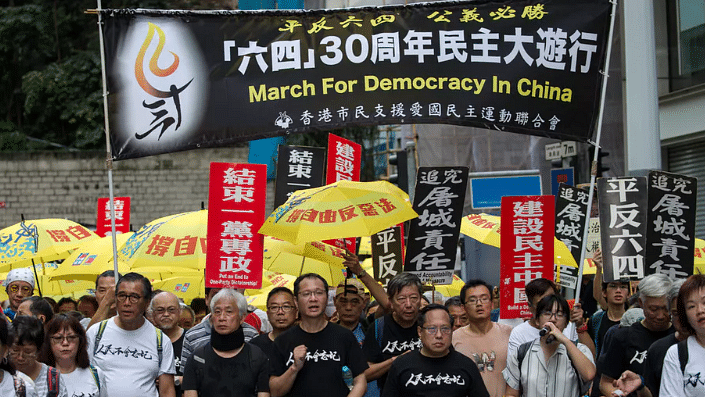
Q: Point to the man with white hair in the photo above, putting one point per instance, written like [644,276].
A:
[166,312]
[627,348]
[19,284]
[226,365]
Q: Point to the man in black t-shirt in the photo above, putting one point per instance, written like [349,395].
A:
[627,348]
[394,334]
[437,369]
[226,365]
[313,355]
[282,314]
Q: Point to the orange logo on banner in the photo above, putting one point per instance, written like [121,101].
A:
[153,66]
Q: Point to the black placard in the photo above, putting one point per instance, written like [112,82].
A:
[571,210]
[298,167]
[387,254]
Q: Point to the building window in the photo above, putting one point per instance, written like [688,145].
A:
[686,43]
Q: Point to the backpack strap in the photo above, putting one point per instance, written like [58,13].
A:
[96,378]
[379,328]
[596,321]
[52,382]
[683,354]
[160,353]
[20,389]
[99,335]
[521,353]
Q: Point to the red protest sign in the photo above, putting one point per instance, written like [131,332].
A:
[122,216]
[343,162]
[236,205]
[526,249]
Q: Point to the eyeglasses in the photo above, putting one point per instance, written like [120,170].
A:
[549,314]
[434,330]
[15,352]
[473,300]
[134,298]
[58,339]
[307,294]
[25,289]
[285,308]
[161,310]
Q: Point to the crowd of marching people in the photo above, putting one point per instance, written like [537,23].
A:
[356,339]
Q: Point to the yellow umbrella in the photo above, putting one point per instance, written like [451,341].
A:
[341,209]
[452,289]
[55,288]
[270,280]
[91,259]
[172,241]
[295,265]
[699,265]
[186,288]
[42,240]
[365,246]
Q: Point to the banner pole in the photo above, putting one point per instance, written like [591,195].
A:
[595,157]
[108,156]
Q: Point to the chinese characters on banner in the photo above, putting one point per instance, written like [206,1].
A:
[236,202]
[670,240]
[526,249]
[122,216]
[298,167]
[571,213]
[433,236]
[343,164]
[623,227]
[535,70]
[387,253]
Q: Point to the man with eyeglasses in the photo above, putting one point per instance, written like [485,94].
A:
[313,354]
[19,284]
[394,334]
[132,353]
[482,340]
[282,314]
[436,369]
[166,312]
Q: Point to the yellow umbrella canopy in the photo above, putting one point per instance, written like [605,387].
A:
[295,265]
[90,259]
[270,280]
[54,288]
[699,265]
[172,241]
[452,289]
[186,288]
[341,209]
[41,240]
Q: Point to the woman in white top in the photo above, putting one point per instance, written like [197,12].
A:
[12,383]
[65,348]
[689,381]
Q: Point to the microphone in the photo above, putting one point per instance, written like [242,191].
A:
[550,338]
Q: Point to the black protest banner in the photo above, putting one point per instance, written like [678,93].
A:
[670,235]
[387,254]
[623,227]
[433,236]
[181,80]
[571,211]
[298,167]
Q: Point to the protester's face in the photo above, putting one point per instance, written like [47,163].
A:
[460,317]
[225,316]
[131,302]
[23,309]
[313,297]
[23,356]
[281,310]
[537,299]
[86,308]
[616,292]
[406,303]
[695,311]
[186,320]
[478,303]
[104,285]
[674,316]
[67,307]
[166,311]
[436,333]
[555,316]
[349,307]
[64,344]
[18,290]
[656,314]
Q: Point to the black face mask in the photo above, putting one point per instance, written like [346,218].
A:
[229,342]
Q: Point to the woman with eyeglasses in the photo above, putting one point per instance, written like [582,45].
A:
[551,365]
[24,353]
[12,383]
[65,348]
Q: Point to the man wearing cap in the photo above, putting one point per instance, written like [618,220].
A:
[19,284]
[349,304]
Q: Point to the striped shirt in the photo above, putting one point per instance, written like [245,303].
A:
[539,378]
[200,334]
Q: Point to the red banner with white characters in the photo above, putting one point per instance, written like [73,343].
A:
[122,216]
[343,163]
[236,204]
[526,249]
